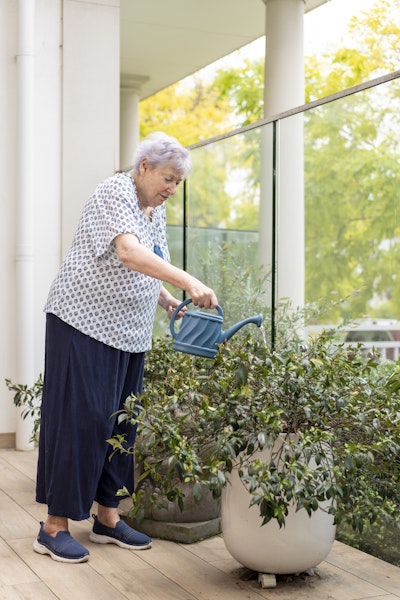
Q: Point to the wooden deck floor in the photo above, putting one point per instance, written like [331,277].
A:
[169,571]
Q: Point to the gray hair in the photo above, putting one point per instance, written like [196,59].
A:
[160,150]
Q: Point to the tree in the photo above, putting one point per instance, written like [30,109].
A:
[351,161]
[190,110]
[372,49]
[351,170]
[351,164]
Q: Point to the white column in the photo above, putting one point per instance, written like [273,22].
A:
[24,250]
[284,89]
[90,103]
[129,117]
[284,62]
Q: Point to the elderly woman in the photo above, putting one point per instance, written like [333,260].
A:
[100,315]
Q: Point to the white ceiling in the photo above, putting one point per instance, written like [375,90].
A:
[163,41]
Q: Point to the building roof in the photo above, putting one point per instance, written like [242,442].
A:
[164,41]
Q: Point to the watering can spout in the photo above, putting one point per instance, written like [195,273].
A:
[226,335]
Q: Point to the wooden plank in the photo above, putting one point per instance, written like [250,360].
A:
[26,591]
[127,570]
[13,569]
[15,522]
[328,583]
[147,584]
[196,576]
[367,567]
[25,462]
[16,484]
[168,571]
[7,440]
[66,581]
[211,550]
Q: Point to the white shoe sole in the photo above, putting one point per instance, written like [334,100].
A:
[105,539]
[41,549]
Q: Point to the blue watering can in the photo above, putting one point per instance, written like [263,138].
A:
[200,332]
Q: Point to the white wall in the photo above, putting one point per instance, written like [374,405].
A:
[7,195]
[76,145]
[47,182]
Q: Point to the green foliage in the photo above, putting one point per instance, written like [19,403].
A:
[234,163]
[30,398]
[191,112]
[372,49]
[352,226]
[381,541]
[244,89]
[351,202]
[335,413]
[241,289]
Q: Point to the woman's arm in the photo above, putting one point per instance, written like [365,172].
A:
[139,258]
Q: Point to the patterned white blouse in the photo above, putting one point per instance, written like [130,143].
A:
[93,291]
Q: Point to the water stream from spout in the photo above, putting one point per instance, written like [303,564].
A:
[264,337]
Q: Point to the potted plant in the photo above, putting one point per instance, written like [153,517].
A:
[334,413]
[29,400]
[327,416]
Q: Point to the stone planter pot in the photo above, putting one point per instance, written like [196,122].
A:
[197,521]
[299,546]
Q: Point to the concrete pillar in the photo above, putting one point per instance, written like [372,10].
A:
[24,251]
[284,63]
[284,89]
[129,117]
[90,101]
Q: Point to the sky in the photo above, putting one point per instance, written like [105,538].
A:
[327,24]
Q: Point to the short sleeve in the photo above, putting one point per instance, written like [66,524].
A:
[112,212]
[93,291]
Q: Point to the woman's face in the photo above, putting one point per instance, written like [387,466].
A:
[156,184]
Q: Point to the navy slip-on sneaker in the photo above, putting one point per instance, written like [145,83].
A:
[62,547]
[122,535]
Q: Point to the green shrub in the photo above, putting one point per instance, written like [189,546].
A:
[198,419]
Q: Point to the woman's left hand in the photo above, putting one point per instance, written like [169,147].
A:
[169,303]
[173,306]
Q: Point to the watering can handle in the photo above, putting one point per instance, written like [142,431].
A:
[178,308]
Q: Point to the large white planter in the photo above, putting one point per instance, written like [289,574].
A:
[301,545]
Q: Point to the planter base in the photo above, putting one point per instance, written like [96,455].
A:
[184,533]
[266,580]
[197,521]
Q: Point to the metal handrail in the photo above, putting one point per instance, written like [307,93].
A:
[300,109]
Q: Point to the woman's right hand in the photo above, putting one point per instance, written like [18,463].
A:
[201,295]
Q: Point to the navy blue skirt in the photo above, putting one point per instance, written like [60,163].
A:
[85,382]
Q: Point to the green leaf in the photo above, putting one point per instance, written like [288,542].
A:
[197,491]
